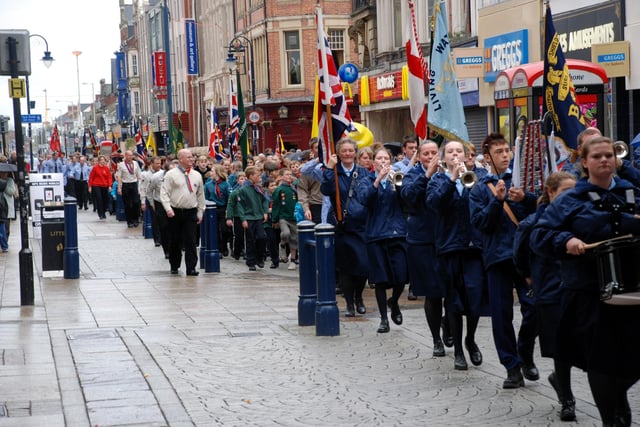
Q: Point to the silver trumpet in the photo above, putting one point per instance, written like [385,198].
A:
[396,178]
[621,149]
[467,177]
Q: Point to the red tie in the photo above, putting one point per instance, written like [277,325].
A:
[186,174]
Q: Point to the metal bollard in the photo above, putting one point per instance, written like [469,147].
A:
[71,256]
[147,228]
[327,315]
[211,254]
[307,257]
[120,215]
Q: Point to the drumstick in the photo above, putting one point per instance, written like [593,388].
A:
[596,244]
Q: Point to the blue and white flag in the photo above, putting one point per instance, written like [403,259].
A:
[559,92]
[445,112]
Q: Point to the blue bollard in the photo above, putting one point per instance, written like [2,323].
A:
[120,215]
[71,256]
[307,257]
[327,315]
[211,254]
[147,228]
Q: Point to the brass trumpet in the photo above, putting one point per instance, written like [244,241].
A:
[468,178]
[621,149]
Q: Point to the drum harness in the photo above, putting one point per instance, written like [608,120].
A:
[616,207]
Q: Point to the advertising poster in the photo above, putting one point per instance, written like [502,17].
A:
[45,189]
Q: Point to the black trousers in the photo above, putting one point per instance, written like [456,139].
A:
[182,233]
[161,218]
[81,193]
[131,200]
[101,199]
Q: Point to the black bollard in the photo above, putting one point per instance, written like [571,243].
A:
[211,254]
[327,315]
[71,255]
[307,256]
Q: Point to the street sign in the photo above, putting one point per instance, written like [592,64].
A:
[31,118]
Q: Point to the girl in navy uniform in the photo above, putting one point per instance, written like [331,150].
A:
[351,250]
[597,337]
[544,272]
[424,272]
[458,249]
[386,239]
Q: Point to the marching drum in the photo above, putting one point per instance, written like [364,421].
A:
[618,263]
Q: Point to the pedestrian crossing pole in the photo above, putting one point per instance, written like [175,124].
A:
[17,91]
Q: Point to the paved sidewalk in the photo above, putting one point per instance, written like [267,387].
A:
[128,344]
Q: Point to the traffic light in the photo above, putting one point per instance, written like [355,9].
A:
[4,125]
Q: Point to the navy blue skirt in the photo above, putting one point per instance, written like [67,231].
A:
[424,271]
[388,262]
[351,254]
[465,281]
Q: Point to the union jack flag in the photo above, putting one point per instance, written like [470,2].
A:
[234,116]
[141,151]
[216,144]
[330,94]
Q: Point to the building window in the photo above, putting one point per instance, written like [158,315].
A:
[336,43]
[292,50]
[397,24]
[134,65]
[136,103]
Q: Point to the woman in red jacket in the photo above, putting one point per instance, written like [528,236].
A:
[100,180]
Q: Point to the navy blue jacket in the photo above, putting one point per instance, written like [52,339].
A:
[545,271]
[385,217]
[355,219]
[488,215]
[421,219]
[453,227]
[573,214]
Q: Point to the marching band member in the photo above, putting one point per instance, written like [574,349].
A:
[597,337]
[458,250]
[545,274]
[350,248]
[495,209]
[386,238]
[424,271]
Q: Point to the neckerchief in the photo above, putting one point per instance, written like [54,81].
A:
[186,177]
[130,168]
[218,191]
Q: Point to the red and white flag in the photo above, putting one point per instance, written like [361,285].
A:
[54,144]
[330,94]
[416,65]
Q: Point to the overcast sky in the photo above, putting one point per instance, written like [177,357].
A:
[89,26]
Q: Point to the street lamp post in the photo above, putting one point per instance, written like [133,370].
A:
[77,54]
[236,45]
[47,59]
[93,102]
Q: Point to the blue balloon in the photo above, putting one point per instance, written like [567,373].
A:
[348,72]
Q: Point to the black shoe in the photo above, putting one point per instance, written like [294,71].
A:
[411,296]
[530,372]
[135,224]
[568,411]
[157,244]
[350,312]
[396,315]
[174,271]
[236,257]
[438,349]
[460,363]
[252,268]
[273,265]
[260,264]
[166,256]
[447,339]
[193,273]
[225,253]
[338,290]
[474,352]
[514,379]
[360,308]
[384,326]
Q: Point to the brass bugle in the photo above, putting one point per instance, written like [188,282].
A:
[621,149]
